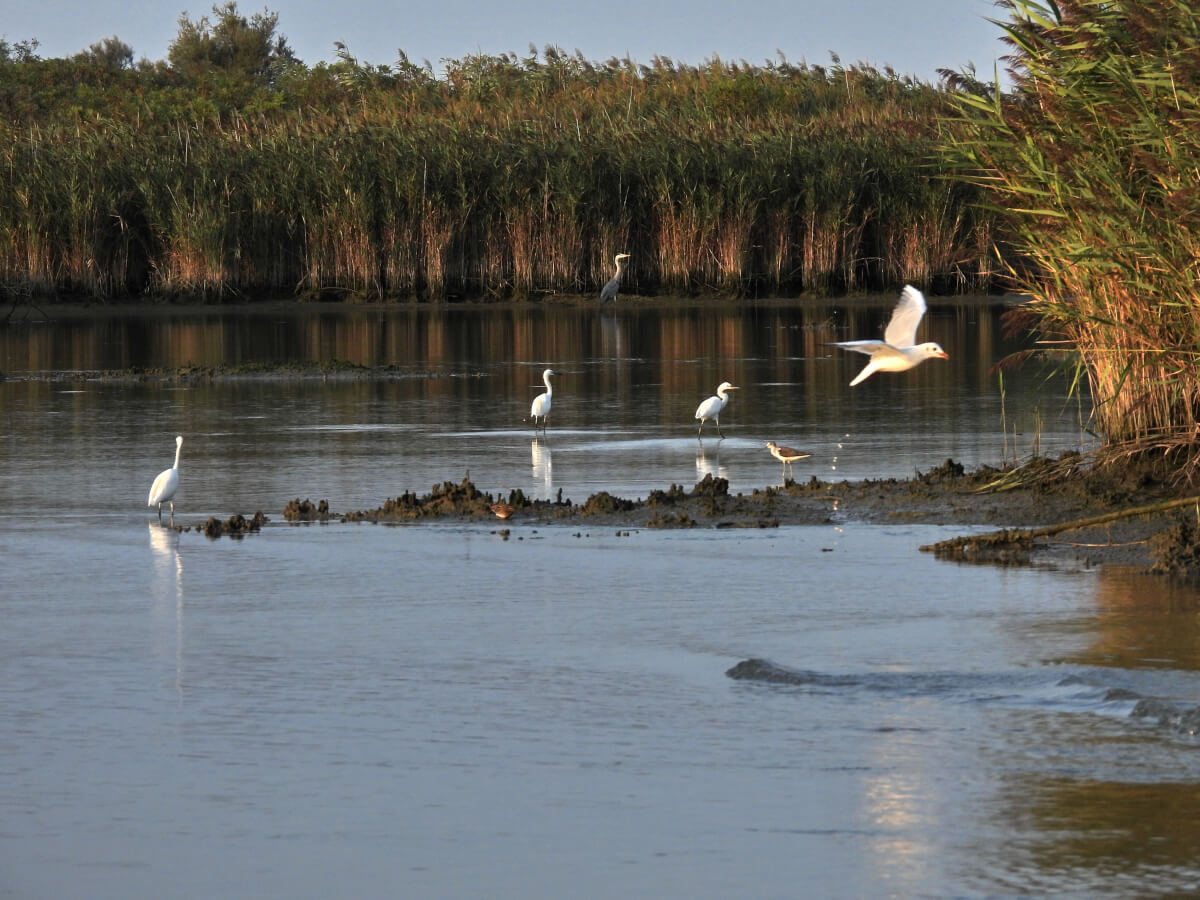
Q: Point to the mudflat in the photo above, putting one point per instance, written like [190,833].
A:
[1132,513]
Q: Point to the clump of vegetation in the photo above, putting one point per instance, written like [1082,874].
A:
[947,471]
[604,503]
[232,169]
[306,511]
[672,495]
[711,487]
[448,498]
[1092,159]
[235,526]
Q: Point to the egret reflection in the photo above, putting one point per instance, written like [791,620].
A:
[167,589]
[708,462]
[543,467]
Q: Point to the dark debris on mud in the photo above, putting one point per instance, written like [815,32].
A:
[236,526]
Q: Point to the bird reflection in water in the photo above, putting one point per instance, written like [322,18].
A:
[543,466]
[168,593]
[614,329]
[708,462]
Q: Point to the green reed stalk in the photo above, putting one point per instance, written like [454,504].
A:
[1093,160]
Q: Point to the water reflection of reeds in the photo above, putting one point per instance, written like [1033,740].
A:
[629,363]
[1144,622]
[1093,834]
[484,336]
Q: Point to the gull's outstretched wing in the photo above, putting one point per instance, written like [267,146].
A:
[871,348]
[902,329]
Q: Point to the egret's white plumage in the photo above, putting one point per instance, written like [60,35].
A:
[166,484]
[541,403]
[899,350]
[609,291]
[711,408]
[786,455]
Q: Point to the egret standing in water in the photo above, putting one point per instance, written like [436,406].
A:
[609,291]
[166,484]
[711,408]
[541,403]
[899,350]
[786,455]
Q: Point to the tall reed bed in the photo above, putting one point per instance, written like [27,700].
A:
[1095,159]
[508,177]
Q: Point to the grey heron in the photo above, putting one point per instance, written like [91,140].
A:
[609,291]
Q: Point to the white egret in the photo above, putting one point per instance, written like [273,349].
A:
[786,455]
[711,408]
[541,403]
[609,291]
[166,484]
[899,350]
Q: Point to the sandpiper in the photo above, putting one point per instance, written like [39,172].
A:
[786,455]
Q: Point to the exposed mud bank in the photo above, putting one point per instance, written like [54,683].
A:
[1041,492]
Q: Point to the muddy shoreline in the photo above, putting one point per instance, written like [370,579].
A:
[1040,492]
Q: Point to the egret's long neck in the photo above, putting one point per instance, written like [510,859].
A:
[178,450]
[723,395]
[549,388]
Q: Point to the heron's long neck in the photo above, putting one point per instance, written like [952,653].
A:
[620,267]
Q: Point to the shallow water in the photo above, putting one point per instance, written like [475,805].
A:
[459,391]
[439,711]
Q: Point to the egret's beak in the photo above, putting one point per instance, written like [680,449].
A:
[943,355]
[733,388]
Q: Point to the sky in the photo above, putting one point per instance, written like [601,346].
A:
[914,37]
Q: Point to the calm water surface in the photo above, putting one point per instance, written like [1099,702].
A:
[438,711]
